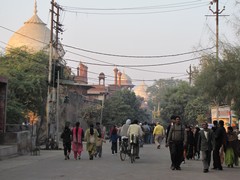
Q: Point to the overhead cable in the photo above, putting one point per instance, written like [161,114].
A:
[136,13]
[137,8]
[137,56]
[138,65]
[116,55]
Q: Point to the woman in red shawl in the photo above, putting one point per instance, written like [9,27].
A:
[77,135]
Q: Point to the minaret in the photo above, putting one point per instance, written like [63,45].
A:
[101,77]
[119,78]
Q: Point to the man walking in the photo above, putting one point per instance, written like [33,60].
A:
[220,140]
[158,134]
[177,137]
[205,144]
[66,136]
[214,128]
[172,121]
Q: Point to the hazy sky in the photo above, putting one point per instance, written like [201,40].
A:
[143,28]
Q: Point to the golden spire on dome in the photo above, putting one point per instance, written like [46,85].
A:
[35,7]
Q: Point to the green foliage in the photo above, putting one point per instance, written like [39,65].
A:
[159,89]
[179,98]
[219,81]
[196,110]
[122,105]
[209,81]
[27,83]
[175,101]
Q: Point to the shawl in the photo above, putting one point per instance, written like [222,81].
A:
[77,138]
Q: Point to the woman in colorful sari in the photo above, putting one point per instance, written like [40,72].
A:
[231,155]
[91,135]
[77,135]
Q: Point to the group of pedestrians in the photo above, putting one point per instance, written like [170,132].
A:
[128,130]
[138,130]
[73,140]
[216,142]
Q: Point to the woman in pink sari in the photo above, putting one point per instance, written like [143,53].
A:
[77,135]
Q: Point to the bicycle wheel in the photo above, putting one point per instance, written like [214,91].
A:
[132,154]
[122,155]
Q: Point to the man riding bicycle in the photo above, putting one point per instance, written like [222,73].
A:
[124,128]
[135,130]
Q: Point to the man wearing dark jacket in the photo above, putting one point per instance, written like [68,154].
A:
[177,137]
[172,121]
[220,140]
[205,144]
[214,128]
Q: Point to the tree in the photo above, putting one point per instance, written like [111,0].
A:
[197,110]
[158,90]
[219,81]
[123,104]
[175,101]
[27,83]
[230,74]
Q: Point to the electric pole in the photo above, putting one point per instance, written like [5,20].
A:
[190,73]
[216,13]
[51,106]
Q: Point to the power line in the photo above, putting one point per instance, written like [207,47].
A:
[112,77]
[115,55]
[137,8]
[144,70]
[138,65]
[152,71]
[88,57]
[136,13]
[137,56]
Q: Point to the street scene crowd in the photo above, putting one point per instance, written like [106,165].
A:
[215,146]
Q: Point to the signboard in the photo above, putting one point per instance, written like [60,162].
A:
[223,112]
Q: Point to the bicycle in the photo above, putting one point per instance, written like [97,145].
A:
[133,147]
[124,148]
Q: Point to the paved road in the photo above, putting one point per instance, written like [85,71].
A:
[154,164]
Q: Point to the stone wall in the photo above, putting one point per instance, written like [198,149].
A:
[22,139]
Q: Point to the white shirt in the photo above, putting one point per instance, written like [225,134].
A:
[206,134]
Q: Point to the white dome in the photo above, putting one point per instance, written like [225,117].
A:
[34,36]
[125,79]
[141,90]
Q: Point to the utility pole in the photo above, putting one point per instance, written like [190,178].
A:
[190,73]
[51,106]
[216,13]
[49,96]
[101,117]
[57,113]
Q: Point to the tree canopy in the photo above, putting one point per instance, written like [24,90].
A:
[123,104]
[27,83]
